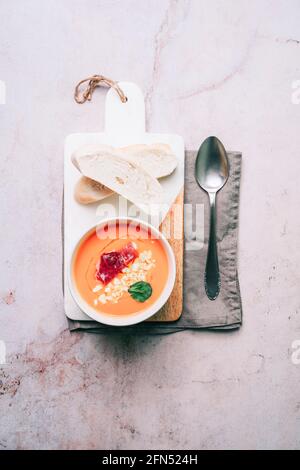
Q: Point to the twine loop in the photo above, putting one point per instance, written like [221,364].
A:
[91,83]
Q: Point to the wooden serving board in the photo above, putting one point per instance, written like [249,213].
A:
[125,125]
[172,309]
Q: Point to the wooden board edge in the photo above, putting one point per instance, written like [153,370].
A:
[172,310]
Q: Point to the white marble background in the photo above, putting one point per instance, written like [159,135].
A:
[206,67]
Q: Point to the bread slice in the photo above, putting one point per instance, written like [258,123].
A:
[156,159]
[88,191]
[120,175]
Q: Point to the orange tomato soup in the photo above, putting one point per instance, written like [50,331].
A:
[150,265]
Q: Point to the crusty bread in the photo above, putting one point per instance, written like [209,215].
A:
[88,191]
[156,159]
[119,175]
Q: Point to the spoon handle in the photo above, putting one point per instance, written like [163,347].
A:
[212,274]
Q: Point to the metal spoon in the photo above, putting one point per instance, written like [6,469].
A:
[211,172]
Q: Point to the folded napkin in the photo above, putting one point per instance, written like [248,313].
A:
[198,311]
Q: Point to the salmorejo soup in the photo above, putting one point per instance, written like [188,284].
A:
[121,268]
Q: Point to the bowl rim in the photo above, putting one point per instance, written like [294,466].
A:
[131,319]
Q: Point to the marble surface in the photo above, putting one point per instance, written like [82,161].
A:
[207,67]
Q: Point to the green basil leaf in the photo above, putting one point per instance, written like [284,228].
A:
[140,291]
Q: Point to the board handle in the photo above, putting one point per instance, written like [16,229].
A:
[125,120]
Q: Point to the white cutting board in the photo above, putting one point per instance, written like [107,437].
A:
[124,125]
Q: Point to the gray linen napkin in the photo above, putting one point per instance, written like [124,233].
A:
[198,311]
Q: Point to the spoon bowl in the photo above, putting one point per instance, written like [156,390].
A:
[212,169]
